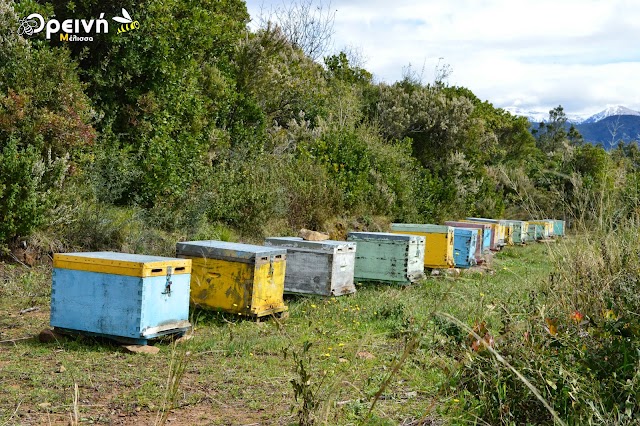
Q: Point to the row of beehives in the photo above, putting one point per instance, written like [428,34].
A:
[136,297]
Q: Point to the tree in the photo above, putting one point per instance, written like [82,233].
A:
[338,67]
[166,92]
[44,128]
[552,136]
[574,136]
[305,25]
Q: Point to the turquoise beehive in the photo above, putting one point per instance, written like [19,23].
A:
[558,227]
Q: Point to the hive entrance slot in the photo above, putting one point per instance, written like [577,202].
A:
[180,268]
[156,270]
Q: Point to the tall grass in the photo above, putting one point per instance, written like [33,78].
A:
[573,349]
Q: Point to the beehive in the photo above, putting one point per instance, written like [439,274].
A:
[520,229]
[547,227]
[238,278]
[497,232]
[558,227]
[535,232]
[128,297]
[388,257]
[505,229]
[323,268]
[438,242]
[464,247]
[485,232]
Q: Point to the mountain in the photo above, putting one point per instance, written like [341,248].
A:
[611,111]
[611,129]
[538,116]
[608,127]
[532,115]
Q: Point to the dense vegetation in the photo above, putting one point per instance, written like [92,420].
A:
[195,127]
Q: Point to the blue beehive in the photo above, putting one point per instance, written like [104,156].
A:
[127,297]
[464,247]
[483,228]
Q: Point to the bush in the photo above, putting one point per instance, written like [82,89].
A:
[21,206]
[29,187]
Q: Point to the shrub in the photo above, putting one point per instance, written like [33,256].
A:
[20,200]
[576,341]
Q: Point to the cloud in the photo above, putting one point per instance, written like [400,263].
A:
[582,54]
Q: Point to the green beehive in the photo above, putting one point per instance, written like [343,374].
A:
[388,257]
[535,232]
[520,231]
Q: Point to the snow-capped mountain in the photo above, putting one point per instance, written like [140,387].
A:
[537,116]
[533,116]
[610,111]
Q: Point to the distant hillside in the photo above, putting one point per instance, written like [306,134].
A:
[610,130]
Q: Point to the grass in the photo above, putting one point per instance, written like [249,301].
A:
[237,372]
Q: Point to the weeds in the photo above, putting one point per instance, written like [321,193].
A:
[304,390]
[177,368]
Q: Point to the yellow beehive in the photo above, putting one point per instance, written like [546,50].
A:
[508,234]
[438,242]
[238,278]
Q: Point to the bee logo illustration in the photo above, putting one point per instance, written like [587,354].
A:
[27,26]
[128,24]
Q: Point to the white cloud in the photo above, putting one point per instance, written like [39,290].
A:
[582,54]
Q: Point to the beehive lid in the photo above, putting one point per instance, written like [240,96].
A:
[541,221]
[378,236]
[483,219]
[471,225]
[212,249]
[299,243]
[422,228]
[134,265]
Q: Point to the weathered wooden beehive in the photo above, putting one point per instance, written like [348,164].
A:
[243,279]
[323,268]
[438,242]
[486,235]
[464,247]
[388,257]
[127,297]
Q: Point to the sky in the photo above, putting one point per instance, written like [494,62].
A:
[532,55]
